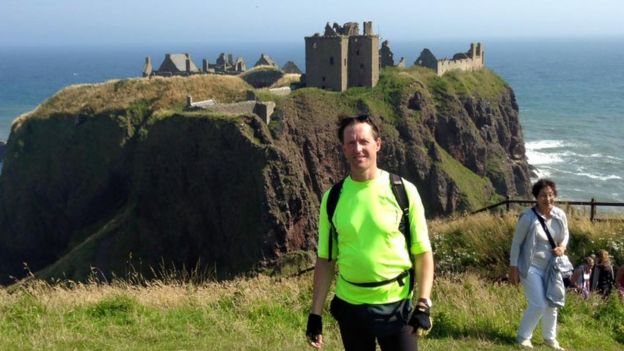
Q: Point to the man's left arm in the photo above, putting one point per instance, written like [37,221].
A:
[423,265]
[421,317]
[421,245]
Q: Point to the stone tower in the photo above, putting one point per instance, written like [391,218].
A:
[326,60]
[342,58]
[147,68]
[364,58]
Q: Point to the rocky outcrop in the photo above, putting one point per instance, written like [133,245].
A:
[158,189]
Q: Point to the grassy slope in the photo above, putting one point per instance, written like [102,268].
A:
[265,313]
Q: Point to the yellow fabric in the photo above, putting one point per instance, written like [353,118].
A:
[369,245]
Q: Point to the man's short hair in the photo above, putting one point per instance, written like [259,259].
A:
[346,121]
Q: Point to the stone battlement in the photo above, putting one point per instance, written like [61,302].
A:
[471,60]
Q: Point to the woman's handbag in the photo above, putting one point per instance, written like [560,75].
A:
[565,265]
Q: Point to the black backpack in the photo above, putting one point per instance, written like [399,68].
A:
[398,189]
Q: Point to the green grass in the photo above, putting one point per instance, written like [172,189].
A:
[265,313]
[476,191]
[474,309]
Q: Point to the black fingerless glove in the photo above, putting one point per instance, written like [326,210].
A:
[421,320]
[315,327]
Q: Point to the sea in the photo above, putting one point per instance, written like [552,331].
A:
[570,92]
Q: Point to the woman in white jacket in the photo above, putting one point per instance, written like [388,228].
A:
[530,253]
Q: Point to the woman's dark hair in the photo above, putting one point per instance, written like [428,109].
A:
[344,122]
[541,184]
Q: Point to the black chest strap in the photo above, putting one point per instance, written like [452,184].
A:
[400,194]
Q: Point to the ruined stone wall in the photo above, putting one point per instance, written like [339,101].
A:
[326,62]
[237,108]
[474,61]
[363,62]
[446,65]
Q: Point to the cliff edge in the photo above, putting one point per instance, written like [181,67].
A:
[117,176]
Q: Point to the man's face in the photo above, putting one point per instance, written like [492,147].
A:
[360,146]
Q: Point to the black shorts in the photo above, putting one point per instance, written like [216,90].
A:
[362,325]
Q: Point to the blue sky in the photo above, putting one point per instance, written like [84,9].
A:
[93,22]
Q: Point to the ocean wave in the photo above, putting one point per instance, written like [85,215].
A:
[544,144]
[580,173]
[609,157]
[540,173]
[548,152]
[599,177]
[594,155]
[537,158]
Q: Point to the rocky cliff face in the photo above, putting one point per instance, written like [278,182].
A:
[142,183]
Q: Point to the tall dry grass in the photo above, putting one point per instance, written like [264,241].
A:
[472,311]
[160,93]
[268,313]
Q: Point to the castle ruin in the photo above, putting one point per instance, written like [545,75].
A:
[471,60]
[172,65]
[266,60]
[386,56]
[225,64]
[291,68]
[183,65]
[342,57]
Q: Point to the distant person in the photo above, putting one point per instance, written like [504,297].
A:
[581,279]
[531,254]
[619,281]
[367,240]
[602,276]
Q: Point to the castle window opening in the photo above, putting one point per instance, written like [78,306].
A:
[314,45]
[331,60]
[361,66]
[344,62]
[323,79]
[357,52]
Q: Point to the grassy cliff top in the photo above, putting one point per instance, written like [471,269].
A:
[159,92]
[171,92]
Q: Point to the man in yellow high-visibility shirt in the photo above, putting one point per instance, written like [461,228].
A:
[372,302]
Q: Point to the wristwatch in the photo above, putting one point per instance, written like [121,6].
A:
[426,301]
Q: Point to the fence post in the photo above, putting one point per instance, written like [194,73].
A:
[507,198]
[592,212]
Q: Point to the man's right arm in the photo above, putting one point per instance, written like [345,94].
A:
[323,276]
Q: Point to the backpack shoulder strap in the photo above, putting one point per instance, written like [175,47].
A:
[332,202]
[398,189]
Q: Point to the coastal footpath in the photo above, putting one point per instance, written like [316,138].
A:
[120,176]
